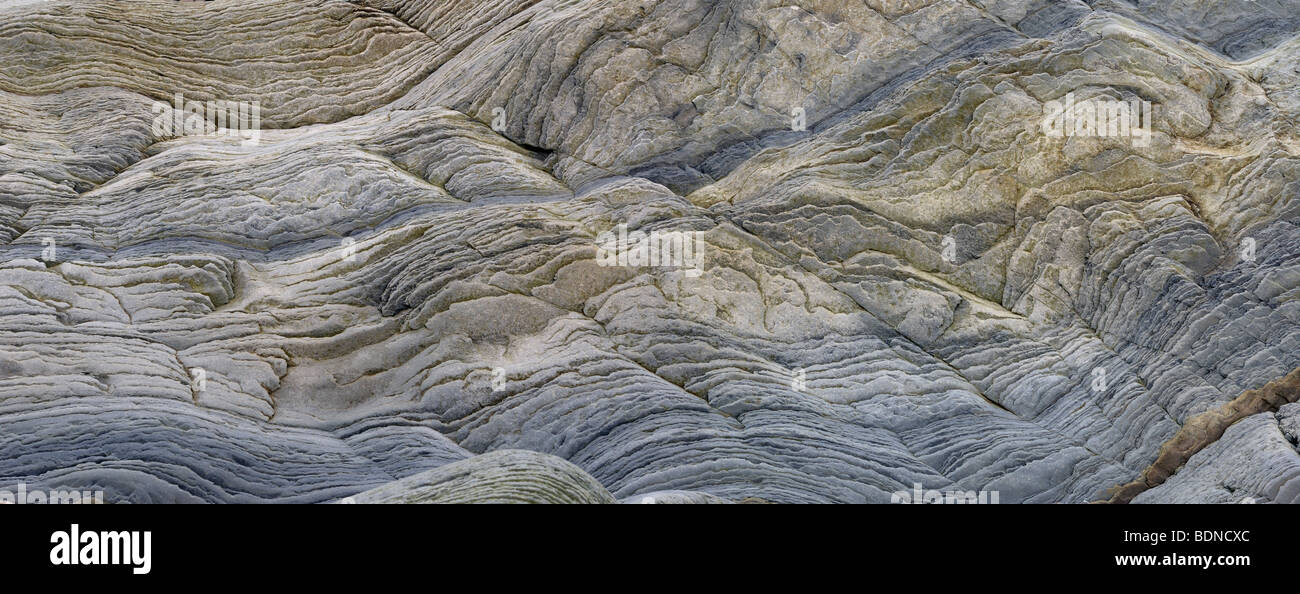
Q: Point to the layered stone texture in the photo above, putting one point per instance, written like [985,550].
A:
[395,295]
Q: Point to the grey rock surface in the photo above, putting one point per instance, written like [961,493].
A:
[502,476]
[399,286]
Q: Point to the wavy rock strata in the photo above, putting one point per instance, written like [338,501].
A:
[398,287]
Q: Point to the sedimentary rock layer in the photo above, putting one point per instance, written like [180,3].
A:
[399,286]
[1207,428]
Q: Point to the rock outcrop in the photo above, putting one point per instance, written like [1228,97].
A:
[398,286]
[502,476]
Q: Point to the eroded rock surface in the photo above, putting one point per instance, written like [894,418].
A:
[904,281]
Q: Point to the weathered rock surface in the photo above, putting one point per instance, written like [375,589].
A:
[503,476]
[398,288]
[1208,427]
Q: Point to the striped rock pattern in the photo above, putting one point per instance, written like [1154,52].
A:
[396,294]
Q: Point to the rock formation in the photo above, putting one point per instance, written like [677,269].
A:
[395,285]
